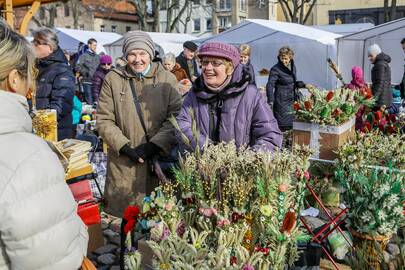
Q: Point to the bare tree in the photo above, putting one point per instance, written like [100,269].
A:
[390,11]
[215,23]
[141,7]
[156,15]
[75,6]
[187,20]
[297,11]
[173,17]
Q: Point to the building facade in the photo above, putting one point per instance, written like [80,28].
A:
[352,11]
[91,15]
[196,18]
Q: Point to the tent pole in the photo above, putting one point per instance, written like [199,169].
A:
[363,63]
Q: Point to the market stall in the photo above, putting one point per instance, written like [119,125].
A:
[69,38]
[352,49]
[165,43]
[311,48]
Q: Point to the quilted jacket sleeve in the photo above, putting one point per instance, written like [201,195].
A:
[265,133]
[97,83]
[39,226]
[185,123]
[62,93]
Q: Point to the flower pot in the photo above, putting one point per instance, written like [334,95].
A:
[374,257]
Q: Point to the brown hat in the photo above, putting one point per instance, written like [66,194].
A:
[138,40]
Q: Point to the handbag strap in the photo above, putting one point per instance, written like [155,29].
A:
[138,108]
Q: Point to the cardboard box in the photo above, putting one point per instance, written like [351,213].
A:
[96,239]
[146,252]
[323,140]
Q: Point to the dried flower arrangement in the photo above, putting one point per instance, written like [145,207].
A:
[375,199]
[373,148]
[249,198]
[44,124]
[331,107]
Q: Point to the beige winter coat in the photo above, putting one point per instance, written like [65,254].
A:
[39,226]
[118,124]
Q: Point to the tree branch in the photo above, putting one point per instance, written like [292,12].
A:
[309,11]
[176,20]
[283,8]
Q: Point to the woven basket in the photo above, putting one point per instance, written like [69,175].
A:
[369,242]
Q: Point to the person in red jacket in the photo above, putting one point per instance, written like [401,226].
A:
[98,77]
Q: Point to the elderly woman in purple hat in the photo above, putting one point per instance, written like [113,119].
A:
[226,106]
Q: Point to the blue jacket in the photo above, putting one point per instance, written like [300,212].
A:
[77,110]
[55,90]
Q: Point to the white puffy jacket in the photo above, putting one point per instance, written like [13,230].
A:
[39,227]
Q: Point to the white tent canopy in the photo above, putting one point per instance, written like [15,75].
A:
[352,49]
[311,46]
[344,29]
[69,38]
[169,42]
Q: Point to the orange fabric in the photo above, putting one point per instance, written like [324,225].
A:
[87,265]
[179,72]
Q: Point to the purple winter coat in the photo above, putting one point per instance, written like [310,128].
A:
[97,82]
[244,117]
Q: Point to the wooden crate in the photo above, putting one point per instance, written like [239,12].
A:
[323,140]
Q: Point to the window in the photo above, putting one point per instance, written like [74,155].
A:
[209,24]
[225,4]
[196,2]
[197,25]
[243,5]
[208,2]
[114,28]
[55,12]
[262,4]
[225,22]
[67,10]
[102,28]
[127,28]
[67,26]
[81,27]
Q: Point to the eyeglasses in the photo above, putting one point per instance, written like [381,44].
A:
[37,42]
[214,63]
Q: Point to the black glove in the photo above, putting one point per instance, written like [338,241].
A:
[130,152]
[148,150]
[144,151]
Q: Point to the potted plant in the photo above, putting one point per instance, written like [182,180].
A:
[375,200]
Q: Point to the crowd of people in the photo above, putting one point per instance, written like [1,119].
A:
[209,88]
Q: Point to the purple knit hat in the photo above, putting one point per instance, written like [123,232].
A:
[105,59]
[220,49]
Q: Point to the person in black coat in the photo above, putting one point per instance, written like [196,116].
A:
[244,50]
[187,61]
[281,88]
[380,76]
[55,80]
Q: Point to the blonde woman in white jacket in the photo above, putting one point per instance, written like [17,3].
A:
[39,227]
